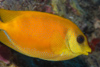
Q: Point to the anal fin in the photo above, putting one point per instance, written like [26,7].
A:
[5,39]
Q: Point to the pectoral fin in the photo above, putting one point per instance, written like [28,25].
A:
[58,45]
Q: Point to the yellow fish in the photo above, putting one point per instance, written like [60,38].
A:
[42,35]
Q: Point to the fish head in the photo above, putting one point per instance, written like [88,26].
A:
[77,42]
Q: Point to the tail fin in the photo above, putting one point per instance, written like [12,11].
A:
[1,25]
[0,20]
[3,15]
[7,15]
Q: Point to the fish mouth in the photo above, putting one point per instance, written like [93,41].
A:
[86,52]
[83,53]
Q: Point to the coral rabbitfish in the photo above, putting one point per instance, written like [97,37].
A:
[42,35]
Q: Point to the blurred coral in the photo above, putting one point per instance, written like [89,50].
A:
[59,7]
[95,44]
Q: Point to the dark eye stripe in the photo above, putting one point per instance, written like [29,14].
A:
[80,39]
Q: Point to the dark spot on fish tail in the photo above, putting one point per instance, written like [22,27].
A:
[1,19]
[1,30]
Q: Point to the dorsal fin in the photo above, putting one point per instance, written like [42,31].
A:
[7,15]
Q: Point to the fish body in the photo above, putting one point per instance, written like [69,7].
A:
[41,35]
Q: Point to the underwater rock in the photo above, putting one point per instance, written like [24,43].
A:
[21,60]
[97,23]
[1,0]
[24,5]
[76,62]
[5,54]
[92,59]
[2,64]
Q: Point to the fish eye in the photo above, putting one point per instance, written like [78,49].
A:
[80,39]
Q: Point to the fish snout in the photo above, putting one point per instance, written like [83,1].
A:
[87,52]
